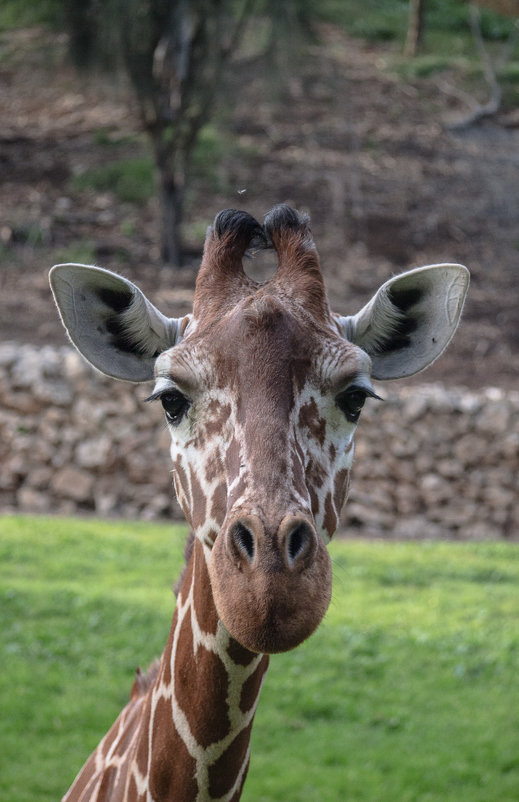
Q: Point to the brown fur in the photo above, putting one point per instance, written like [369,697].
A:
[188,550]
[143,682]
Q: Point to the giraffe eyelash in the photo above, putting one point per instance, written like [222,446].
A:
[351,400]
[157,394]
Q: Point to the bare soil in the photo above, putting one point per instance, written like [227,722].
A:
[388,182]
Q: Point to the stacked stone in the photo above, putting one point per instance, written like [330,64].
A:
[72,440]
[430,461]
[439,463]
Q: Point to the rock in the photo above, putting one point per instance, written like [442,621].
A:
[12,471]
[137,467]
[358,514]
[94,453]
[106,504]
[158,506]
[39,478]
[470,451]
[27,369]
[87,414]
[71,483]
[448,468]
[56,392]
[31,500]
[494,417]
[415,408]
[418,528]
[23,403]
[455,515]
[477,530]
[499,498]
[8,355]
[407,499]
[74,366]
[435,489]
[510,444]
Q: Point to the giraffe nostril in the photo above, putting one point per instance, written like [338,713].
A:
[243,541]
[296,541]
[299,542]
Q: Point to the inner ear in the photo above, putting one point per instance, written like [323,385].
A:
[410,320]
[403,319]
[115,304]
[117,301]
[110,321]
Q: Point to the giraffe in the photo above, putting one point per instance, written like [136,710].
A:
[262,387]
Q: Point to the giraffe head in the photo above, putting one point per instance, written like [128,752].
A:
[262,387]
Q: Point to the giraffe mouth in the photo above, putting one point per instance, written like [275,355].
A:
[271,593]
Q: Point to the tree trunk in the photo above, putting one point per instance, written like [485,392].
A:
[171,207]
[415,27]
[172,160]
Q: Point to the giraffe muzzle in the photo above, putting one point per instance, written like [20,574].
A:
[271,584]
[292,547]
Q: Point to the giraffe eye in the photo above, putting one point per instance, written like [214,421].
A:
[175,406]
[351,403]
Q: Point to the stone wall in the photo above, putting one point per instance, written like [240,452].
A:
[430,462]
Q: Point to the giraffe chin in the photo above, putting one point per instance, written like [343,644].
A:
[267,608]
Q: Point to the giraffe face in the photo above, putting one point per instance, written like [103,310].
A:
[262,387]
[266,427]
[261,406]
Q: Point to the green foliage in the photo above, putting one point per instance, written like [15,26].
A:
[23,13]
[368,19]
[424,66]
[495,27]
[408,691]
[450,16]
[209,149]
[130,179]
[210,152]
[384,24]
[112,139]
[508,77]
[445,21]
[82,252]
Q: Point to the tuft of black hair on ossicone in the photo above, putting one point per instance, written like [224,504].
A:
[282,217]
[242,225]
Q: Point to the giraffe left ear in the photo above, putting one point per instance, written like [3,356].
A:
[410,320]
[111,322]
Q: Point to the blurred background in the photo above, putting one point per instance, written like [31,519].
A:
[125,127]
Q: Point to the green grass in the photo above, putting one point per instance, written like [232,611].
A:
[408,691]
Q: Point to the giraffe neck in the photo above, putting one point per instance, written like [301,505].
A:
[207,688]
[184,736]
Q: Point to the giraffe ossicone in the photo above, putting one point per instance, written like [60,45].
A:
[262,387]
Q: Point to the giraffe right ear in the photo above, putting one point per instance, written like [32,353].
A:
[410,320]
[111,322]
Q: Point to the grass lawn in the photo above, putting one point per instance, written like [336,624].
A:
[408,691]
